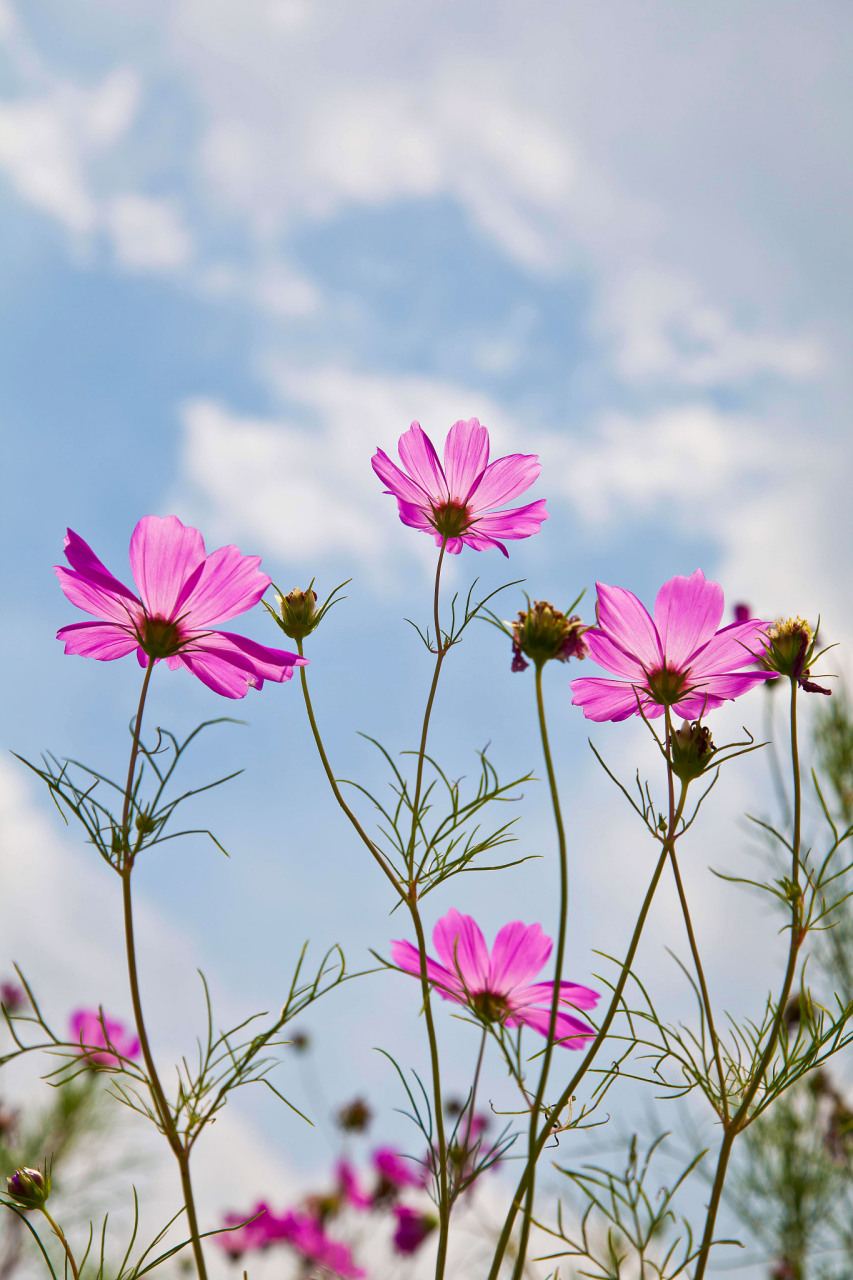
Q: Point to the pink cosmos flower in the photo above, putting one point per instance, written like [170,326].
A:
[348,1187]
[183,592]
[678,659]
[395,1171]
[93,1030]
[308,1236]
[248,1232]
[457,501]
[497,986]
[413,1227]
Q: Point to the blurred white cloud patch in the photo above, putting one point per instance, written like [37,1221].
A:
[301,483]
[147,234]
[47,143]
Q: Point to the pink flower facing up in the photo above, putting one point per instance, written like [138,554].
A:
[182,592]
[678,659]
[457,501]
[497,986]
[93,1030]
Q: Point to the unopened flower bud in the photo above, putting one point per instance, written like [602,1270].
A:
[789,650]
[692,749]
[12,996]
[298,610]
[742,612]
[355,1117]
[29,1187]
[542,633]
[413,1228]
[145,824]
[300,1042]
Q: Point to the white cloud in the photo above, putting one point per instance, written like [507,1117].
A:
[272,285]
[147,234]
[302,483]
[46,143]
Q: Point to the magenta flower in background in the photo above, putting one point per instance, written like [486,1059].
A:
[246,1236]
[348,1187]
[396,1171]
[497,986]
[183,592]
[413,1227]
[13,996]
[93,1030]
[457,501]
[678,659]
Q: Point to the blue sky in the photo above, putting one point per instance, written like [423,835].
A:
[245,244]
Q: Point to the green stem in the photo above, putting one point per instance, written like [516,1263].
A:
[164,1113]
[741,1118]
[471,1104]
[60,1235]
[688,923]
[555,1001]
[568,1092]
[327,768]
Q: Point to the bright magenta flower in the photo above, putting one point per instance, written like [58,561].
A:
[497,986]
[183,592]
[677,660]
[396,1171]
[97,1035]
[458,501]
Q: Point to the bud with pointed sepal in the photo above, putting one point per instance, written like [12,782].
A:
[29,1188]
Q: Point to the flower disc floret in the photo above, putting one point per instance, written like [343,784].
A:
[497,987]
[458,502]
[676,659]
[182,592]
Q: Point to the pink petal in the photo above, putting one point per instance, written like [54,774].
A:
[687,613]
[477,542]
[571,1032]
[163,555]
[628,622]
[713,691]
[398,483]
[519,953]
[461,945]
[608,654]
[414,515]
[504,479]
[84,562]
[735,646]
[518,522]
[231,665]
[90,595]
[421,461]
[101,640]
[466,453]
[407,957]
[571,993]
[609,699]
[223,585]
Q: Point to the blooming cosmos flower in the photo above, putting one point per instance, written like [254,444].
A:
[93,1030]
[497,986]
[457,502]
[301,1231]
[348,1186]
[183,592]
[395,1171]
[413,1227]
[677,660]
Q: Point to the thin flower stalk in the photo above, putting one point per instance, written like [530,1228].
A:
[741,1118]
[60,1235]
[565,1097]
[536,1109]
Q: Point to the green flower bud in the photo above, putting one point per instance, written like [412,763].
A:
[542,632]
[299,615]
[29,1187]
[692,749]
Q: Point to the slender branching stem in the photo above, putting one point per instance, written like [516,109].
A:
[164,1112]
[688,924]
[565,1097]
[536,1108]
[336,791]
[60,1235]
[473,1100]
[741,1117]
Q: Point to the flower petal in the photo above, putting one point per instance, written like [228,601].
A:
[224,584]
[447,983]
[101,582]
[713,691]
[415,516]
[231,665]
[627,621]
[571,993]
[608,654]
[517,522]
[609,699]
[163,555]
[504,479]
[687,613]
[101,640]
[520,951]
[94,597]
[461,945]
[398,483]
[570,1032]
[421,461]
[466,453]
[735,646]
